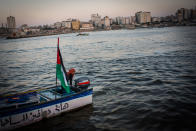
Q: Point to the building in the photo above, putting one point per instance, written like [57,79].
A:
[119,20]
[183,14]
[106,22]
[111,21]
[96,20]
[86,26]
[114,21]
[127,20]
[155,20]
[102,23]
[143,17]
[51,26]
[179,16]
[173,19]
[11,23]
[57,25]
[123,21]
[186,15]
[24,26]
[3,29]
[67,23]
[63,23]
[75,24]
[193,14]
[3,25]
[132,20]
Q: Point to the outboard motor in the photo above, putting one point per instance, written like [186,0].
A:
[82,82]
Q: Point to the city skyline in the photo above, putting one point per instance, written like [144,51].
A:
[34,12]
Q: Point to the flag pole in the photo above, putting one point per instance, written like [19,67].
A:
[57,53]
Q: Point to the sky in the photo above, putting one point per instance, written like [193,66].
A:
[41,12]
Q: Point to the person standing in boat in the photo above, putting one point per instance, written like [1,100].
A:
[70,75]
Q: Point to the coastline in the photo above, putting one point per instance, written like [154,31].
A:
[129,27]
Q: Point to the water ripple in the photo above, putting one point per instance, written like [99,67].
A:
[143,79]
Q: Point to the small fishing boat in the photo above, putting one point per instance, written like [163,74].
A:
[32,106]
[82,34]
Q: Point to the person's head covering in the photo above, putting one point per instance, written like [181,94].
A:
[72,71]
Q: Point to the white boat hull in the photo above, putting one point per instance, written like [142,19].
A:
[36,113]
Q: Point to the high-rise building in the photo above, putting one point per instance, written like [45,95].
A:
[179,15]
[193,14]
[143,17]
[186,14]
[183,14]
[11,23]
[96,19]
[106,22]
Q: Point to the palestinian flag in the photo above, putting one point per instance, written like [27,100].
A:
[60,71]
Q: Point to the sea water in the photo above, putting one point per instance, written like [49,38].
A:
[143,79]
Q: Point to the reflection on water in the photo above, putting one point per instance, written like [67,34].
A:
[143,79]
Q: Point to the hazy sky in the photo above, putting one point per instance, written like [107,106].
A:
[36,12]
